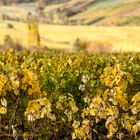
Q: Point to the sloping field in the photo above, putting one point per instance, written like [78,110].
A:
[89,12]
[110,12]
[101,12]
[63,37]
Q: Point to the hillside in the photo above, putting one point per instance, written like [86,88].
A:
[98,12]
[81,12]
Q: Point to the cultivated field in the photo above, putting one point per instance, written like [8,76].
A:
[58,96]
[59,36]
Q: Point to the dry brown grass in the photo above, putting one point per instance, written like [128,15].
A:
[99,47]
[93,46]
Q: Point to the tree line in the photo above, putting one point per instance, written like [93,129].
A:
[5,2]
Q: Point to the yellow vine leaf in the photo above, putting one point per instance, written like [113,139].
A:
[85,112]
[73,136]
[45,102]
[37,109]
[120,98]
[80,133]
[73,106]
[25,135]
[33,106]
[28,76]
[102,114]
[16,84]
[106,70]
[135,108]
[85,122]
[43,112]
[136,98]
[16,91]
[136,128]
[4,102]
[123,85]
[112,111]
[109,81]
[59,105]
[35,89]
[114,71]
[93,112]
[30,118]
[76,124]
[111,125]
[3,80]
[51,116]
[3,110]
[126,121]
[129,77]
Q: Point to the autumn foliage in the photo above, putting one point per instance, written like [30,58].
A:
[52,95]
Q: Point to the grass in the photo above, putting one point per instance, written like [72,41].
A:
[104,3]
[63,37]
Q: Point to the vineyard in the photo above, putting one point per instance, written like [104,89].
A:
[57,96]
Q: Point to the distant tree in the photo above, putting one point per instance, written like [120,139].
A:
[40,7]
[4,2]
[33,33]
